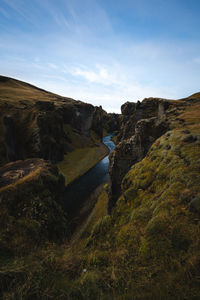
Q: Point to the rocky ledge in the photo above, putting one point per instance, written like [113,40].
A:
[37,123]
[142,123]
[31,205]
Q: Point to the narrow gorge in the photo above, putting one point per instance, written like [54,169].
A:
[97,205]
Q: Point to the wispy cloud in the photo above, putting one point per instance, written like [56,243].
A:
[100,74]
[52,66]
[86,50]
[15,5]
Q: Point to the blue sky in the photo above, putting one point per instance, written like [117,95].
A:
[103,52]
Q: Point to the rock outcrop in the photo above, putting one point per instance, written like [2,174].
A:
[141,124]
[36,123]
[133,112]
[31,197]
[147,248]
[111,122]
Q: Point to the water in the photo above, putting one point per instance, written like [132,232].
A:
[77,193]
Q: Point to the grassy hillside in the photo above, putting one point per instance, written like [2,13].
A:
[148,248]
[15,90]
[37,123]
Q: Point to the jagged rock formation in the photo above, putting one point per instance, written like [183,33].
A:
[111,122]
[148,247]
[133,112]
[36,123]
[141,124]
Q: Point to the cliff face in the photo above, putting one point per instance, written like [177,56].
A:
[141,124]
[36,123]
[147,248]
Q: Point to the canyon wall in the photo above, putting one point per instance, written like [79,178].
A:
[36,123]
[141,124]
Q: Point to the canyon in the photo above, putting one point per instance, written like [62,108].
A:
[139,239]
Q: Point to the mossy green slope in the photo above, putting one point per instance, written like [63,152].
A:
[148,248]
[31,207]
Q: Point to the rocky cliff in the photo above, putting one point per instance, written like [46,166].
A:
[36,123]
[141,124]
[148,246]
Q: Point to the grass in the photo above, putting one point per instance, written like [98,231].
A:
[99,211]
[81,160]
[31,212]
[150,239]
[24,91]
[148,248]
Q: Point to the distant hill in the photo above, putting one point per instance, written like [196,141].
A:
[13,89]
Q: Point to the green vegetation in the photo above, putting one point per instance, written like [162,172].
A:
[99,211]
[148,248]
[79,161]
[31,212]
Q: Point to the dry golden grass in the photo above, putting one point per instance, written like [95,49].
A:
[24,91]
[147,249]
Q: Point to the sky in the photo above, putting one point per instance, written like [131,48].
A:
[103,52]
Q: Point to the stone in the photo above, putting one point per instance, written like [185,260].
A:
[189,138]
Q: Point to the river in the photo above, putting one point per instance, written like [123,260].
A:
[78,193]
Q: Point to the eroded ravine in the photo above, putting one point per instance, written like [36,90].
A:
[81,196]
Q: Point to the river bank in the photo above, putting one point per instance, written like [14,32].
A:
[82,194]
[80,161]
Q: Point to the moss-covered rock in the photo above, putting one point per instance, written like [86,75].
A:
[150,242]
[37,123]
[31,205]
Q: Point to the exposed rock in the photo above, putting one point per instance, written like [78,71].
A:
[189,138]
[130,151]
[133,112]
[111,122]
[141,124]
[44,105]
[195,204]
[46,128]
[10,138]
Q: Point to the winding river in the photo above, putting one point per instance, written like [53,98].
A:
[83,188]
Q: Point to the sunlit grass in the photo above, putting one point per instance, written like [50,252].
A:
[79,161]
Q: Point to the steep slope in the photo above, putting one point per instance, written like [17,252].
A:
[148,248]
[31,197]
[37,123]
[14,91]
[141,124]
